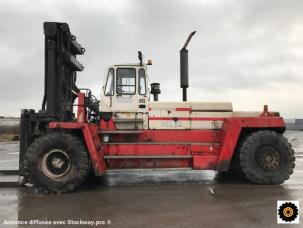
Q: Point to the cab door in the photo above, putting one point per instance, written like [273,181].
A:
[108,91]
[128,100]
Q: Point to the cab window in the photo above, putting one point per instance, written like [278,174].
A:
[126,81]
[109,87]
[142,84]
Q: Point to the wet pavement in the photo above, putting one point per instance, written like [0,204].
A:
[143,198]
[9,155]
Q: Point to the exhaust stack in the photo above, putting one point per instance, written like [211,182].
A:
[155,90]
[184,67]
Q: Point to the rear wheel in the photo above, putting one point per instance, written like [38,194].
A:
[266,157]
[57,163]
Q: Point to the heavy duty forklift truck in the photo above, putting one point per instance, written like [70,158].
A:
[126,130]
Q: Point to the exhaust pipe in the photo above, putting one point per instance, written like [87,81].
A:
[184,67]
[155,90]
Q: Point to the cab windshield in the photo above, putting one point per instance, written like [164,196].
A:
[126,81]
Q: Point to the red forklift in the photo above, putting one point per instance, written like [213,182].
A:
[125,129]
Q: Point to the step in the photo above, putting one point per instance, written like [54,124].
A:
[121,132]
[146,170]
[163,143]
[147,156]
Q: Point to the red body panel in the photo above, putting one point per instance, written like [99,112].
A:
[149,163]
[169,136]
[92,141]
[197,149]
[203,149]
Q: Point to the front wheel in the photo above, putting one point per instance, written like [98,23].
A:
[266,157]
[57,163]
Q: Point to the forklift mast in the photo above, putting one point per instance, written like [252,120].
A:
[60,90]
[61,65]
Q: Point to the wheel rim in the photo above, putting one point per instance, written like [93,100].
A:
[268,158]
[55,163]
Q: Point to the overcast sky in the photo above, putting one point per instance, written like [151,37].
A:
[246,52]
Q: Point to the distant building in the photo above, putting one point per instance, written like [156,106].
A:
[9,121]
[299,121]
[294,124]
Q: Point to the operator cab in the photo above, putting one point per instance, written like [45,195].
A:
[125,95]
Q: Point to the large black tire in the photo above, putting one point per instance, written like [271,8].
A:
[266,157]
[56,163]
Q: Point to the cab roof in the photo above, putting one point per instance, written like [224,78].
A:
[130,64]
